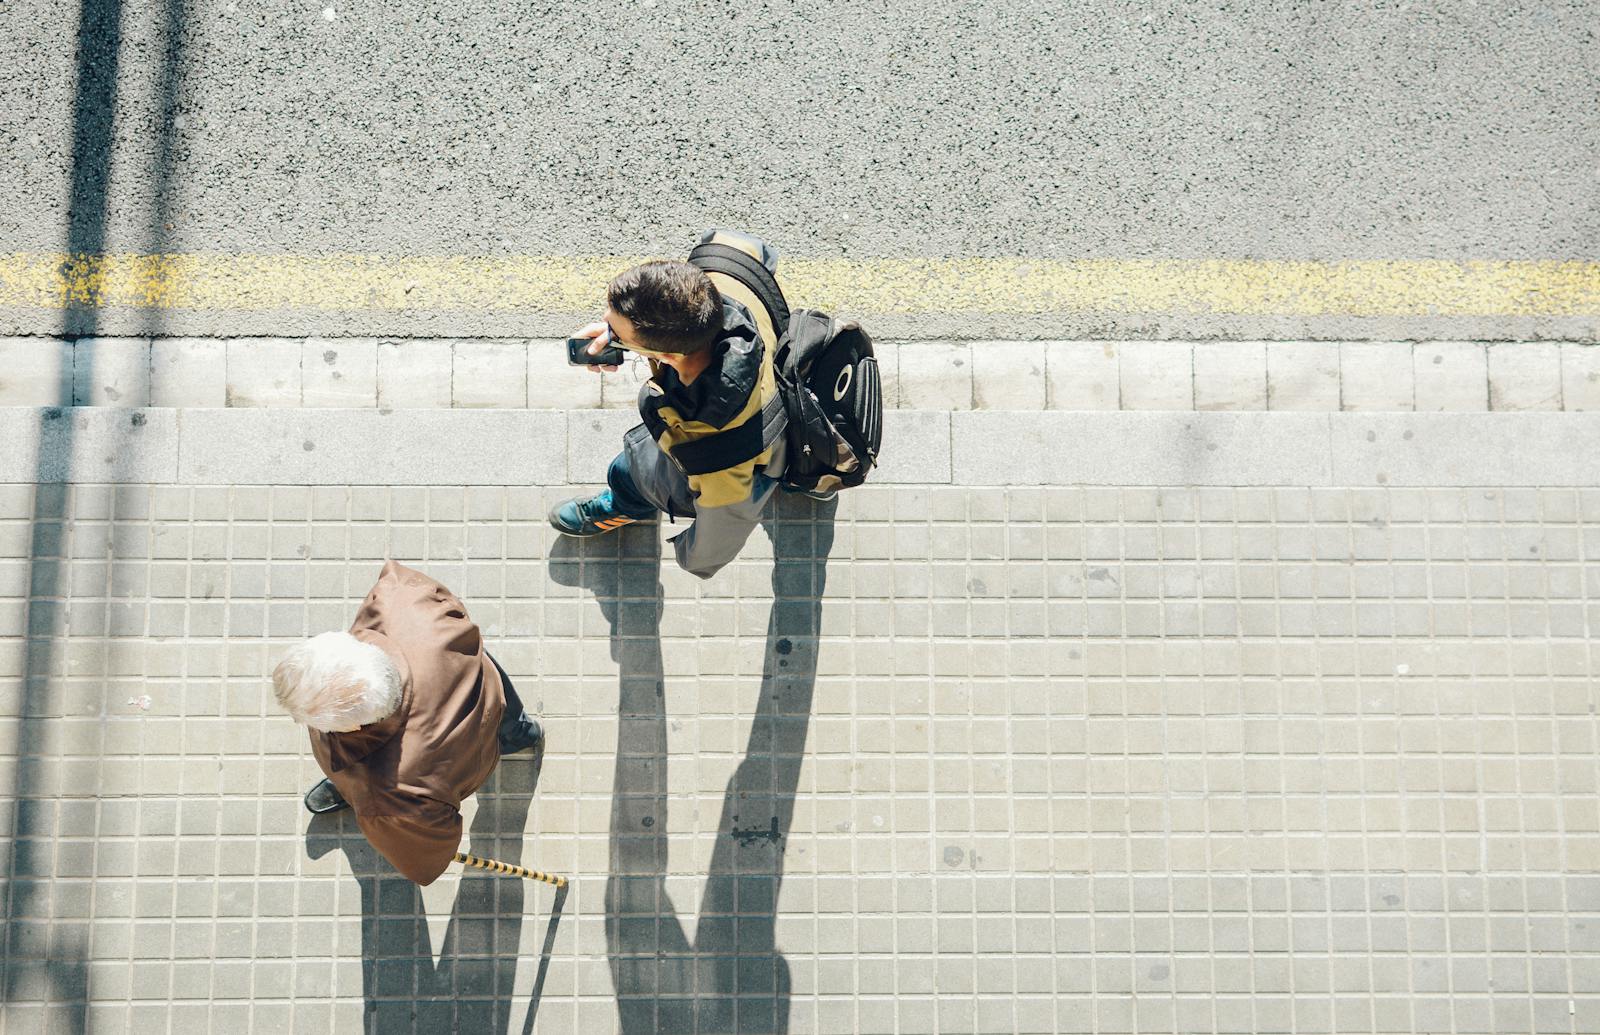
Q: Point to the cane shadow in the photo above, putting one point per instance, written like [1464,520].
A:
[730,977]
[469,987]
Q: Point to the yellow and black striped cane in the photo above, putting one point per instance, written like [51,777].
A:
[496,866]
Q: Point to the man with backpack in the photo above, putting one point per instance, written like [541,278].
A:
[728,413]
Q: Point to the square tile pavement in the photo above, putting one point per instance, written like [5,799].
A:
[1042,759]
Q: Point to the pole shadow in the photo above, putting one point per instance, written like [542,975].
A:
[469,988]
[730,977]
[47,960]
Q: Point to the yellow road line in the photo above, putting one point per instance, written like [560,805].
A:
[554,284]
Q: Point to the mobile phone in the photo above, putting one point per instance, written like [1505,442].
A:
[578,354]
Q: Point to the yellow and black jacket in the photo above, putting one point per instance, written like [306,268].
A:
[726,504]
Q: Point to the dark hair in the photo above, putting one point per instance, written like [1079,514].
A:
[673,305]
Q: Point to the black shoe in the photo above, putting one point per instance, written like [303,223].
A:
[325,797]
[527,737]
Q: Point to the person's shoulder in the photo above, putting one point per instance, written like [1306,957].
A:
[738,322]
[398,585]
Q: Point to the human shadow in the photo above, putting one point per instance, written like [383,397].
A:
[469,988]
[731,976]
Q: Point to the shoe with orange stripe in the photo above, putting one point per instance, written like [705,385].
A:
[586,516]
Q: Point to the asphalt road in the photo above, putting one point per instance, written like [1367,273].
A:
[1259,131]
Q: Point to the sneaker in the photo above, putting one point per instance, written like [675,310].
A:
[325,797]
[587,516]
[527,736]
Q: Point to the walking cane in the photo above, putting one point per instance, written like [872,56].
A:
[496,866]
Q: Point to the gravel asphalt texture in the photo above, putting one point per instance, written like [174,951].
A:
[1267,130]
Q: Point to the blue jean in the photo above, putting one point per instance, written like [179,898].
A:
[625,495]
[516,728]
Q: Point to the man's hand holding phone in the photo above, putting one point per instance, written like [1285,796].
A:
[591,347]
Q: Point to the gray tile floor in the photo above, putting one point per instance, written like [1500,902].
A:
[947,759]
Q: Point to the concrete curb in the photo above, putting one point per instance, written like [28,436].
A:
[555,447]
[443,373]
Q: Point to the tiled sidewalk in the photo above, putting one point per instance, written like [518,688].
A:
[948,758]
[363,447]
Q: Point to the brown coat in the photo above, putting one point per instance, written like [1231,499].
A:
[405,776]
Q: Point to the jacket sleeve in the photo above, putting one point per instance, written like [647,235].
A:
[719,533]
[419,846]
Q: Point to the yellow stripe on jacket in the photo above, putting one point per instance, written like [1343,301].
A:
[733,485]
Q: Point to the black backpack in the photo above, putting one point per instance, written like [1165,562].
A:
[829,403]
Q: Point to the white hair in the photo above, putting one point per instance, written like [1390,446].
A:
[336,683]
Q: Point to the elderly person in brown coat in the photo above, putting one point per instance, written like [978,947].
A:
[408,716]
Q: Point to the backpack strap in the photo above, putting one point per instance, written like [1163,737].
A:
[748,440]
[734,446]
[747,270]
